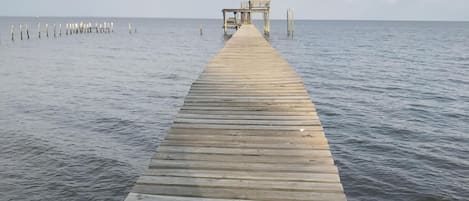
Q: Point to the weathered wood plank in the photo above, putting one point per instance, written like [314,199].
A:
[248,175]
[248,139]
[268,97]
[246,117]
[249,127]
[252,108]
[248,152]
[233,193]
[240,184]
[249,122]
[246,132]
[245,144]
[259,167]
[149,197]
[306,160]
[253,113]
[245,100]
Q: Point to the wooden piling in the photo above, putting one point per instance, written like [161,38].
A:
[60,30]
[47,30]
[12,32]
[21,32]
[55,31]
[290,22]
[39,30]
[130,28]
[267,22]
[244,5]
[225,24]
[235,14]
[247,131]
[27,31]
[201,31]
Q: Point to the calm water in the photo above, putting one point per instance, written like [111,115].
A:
[80,116]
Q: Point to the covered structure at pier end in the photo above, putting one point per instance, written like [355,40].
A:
[244,15]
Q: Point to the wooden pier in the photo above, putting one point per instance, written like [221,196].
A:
[247,131]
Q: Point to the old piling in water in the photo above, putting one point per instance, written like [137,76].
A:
[21,31]
[201,31]
[39,30]
[27,31]
[12,32]
[290,22]
[47,30]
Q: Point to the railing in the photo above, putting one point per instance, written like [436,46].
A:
[245,5]
[259,4]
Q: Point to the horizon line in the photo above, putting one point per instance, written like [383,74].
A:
[300,19]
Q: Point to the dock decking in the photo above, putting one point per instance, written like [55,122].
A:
[247,131]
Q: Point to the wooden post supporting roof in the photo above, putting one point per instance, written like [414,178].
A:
[267,22]
[224,22]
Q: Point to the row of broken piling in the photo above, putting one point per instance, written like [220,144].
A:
[24,31]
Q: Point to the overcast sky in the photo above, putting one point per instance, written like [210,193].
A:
[304,9]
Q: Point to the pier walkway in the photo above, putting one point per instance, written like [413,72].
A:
[247,131]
